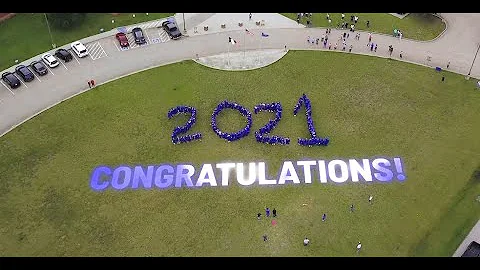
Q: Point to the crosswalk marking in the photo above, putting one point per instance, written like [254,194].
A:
[95,50]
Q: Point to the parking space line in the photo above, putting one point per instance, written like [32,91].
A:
[73,53]
[115,43]
[95,51]
[148,38]
[36,77]
[50,70]
[90,48]
[63,64]
[7,88]
[23,83]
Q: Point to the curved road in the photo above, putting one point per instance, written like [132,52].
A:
[457,45]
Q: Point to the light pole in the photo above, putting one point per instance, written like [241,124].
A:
[50,32]
[184,26]
[474,59]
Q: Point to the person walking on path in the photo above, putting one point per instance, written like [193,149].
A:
[89,84]
[371,47]
[359,246]
[324,217]
[401,54]
[250,16]
[448,65]
[274,212]
[375,49]
[351,47]
[267,212]
[92,82]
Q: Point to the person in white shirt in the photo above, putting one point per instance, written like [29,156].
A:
[359,246]
[370,199]
[306,241]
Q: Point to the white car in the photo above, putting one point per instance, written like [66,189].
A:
[50,60]
[79,49]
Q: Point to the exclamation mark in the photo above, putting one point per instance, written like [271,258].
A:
[398,166]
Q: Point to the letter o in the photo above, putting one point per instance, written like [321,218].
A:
[121,177]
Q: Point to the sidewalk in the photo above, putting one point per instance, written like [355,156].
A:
[474,235]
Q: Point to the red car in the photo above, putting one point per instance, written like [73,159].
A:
[122,39]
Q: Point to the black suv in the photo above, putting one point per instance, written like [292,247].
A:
[171,29]
[64,55]
[11,79]
[25,73]
[138,35]
[39,68]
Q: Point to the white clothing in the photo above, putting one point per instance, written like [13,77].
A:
[359,246]
[306,241]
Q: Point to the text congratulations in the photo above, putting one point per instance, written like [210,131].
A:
[165,176]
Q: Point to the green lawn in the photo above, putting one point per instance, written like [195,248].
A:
[385,108]
[418,26]
[26,34]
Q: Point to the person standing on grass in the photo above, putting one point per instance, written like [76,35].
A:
[370,199]
[259,216]
[351,208]
[443,78]
[274,212]
[343,16]
[265,238]
[324,217]
[359,246]
[368,24]
[267,212]
[306,241]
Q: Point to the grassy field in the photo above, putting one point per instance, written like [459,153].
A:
[418,26]
[48,209]
[26,34]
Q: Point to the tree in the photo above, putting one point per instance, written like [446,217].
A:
[66,20]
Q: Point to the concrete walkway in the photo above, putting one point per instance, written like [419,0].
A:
[474,235]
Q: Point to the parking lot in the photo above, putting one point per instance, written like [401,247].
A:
[98,50]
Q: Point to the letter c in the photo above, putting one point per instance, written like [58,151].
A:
[95,182]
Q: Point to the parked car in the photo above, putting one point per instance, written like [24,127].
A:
[473,250]
[24,73]
[122,39]
[39,68]
[138,36]
[50,60]
[64,55]
[79,49]
[10,79]
[171,29]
